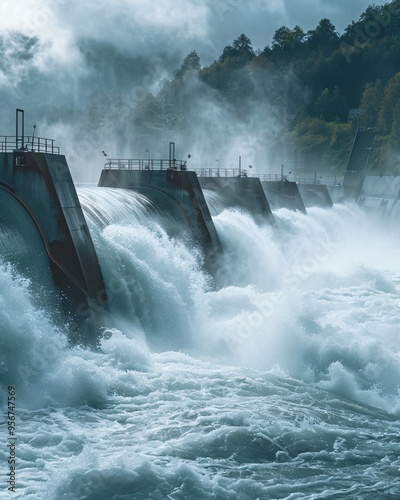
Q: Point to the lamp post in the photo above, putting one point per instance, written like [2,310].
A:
[33,135]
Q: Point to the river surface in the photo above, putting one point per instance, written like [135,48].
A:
[278,381]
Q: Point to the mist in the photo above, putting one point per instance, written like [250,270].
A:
[85,73]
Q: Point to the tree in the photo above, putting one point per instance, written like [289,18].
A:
[395,132]
[287,44]
[190,63]
[391,96]
[324,36]
[331,105]
[280,37]
[371,102]
[241,48]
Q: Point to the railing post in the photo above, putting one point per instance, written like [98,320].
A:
[171,154]
[19,111]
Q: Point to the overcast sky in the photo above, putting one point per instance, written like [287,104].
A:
[91,48]
[177,26]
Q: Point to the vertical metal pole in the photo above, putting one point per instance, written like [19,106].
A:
[240,166]
[282,172]
[33,136]
[171,153]
[17,128]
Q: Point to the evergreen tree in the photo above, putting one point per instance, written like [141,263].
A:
[391,96]
[287,43]
[324,36]
[190,63]
[331,106]
[395,132]
[242,48]
[371,102]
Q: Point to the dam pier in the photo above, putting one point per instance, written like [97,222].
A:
[45,235]
[41,200]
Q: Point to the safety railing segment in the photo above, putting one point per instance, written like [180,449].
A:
[9,144]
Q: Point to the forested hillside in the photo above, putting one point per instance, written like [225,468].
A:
[301,97]
[296,101]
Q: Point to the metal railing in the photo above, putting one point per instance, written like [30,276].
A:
[271,177]
[308,181]
[8,144]
[149,164]
[221,172]
[140,164]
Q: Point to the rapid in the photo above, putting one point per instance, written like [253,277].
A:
[277,380]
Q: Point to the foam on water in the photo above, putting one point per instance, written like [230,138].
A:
[257,389]
[331,316]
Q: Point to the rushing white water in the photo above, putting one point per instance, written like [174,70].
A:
[283,382]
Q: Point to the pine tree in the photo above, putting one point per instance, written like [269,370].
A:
[371,102]
[190,63]
[391,96]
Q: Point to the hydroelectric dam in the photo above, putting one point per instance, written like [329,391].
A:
[243,335]
[46,235]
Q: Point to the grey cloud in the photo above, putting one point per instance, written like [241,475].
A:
[80,53]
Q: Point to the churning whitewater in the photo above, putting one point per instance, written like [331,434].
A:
[277,380]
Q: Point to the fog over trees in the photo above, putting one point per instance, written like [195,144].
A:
[292,101]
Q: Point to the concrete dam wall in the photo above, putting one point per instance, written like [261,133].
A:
[283,194]
[358,163]
[182,189]
[22,246]
[39,187]
[380,195]
[42,183]
[315,195]
[40,211]
[241,192]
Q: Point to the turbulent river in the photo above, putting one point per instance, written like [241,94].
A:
[279,379]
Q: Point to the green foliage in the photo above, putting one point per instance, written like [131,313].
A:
[324,37]
[322,143]
[190,63]
[391,97]
[240,49]
[315,77]
[371,102]
[331,106]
